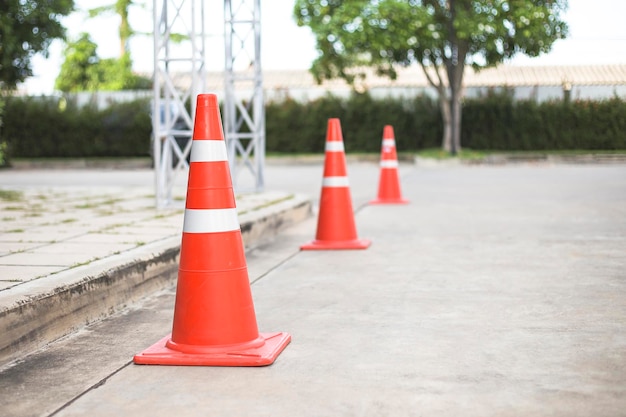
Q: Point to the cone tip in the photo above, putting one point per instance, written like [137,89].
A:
[333,131]
[388,131]
[207,100]
[207,123]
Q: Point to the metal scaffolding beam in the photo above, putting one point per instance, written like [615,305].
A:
[172,107]
[244,111]
[183,64]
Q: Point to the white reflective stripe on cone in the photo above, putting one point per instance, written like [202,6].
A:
[390,163]
[335,182]
[333,146]
[389,142]
[210,220]
[208,151]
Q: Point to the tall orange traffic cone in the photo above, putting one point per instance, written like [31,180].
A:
[214,318]
[335,222]
[389,183]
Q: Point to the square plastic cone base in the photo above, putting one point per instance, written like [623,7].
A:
[159,354]
[389,201]
[336,244]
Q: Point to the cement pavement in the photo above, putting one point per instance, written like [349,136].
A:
[498,291]
[72,254]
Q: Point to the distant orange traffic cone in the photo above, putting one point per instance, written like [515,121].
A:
[335,222]
[214,318]
[389,183]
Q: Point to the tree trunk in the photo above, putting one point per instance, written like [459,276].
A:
[455,66]
[121,7]
[446,116]
[455,104]
[455,70]
[444,105]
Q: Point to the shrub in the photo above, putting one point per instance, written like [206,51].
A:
[48,127]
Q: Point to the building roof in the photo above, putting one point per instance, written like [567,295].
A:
[503,75]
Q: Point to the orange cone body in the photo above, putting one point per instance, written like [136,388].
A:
[335,222]
[214,319]
[389,183]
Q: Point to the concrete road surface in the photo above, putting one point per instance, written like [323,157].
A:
[498,291]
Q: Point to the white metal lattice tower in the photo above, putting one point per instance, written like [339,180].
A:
[183,64]
[244,111]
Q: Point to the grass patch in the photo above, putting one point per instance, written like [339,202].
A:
[440,154]
[469,154]
[77,264]
[271,203]
[108,228]
[574,152]
[111,201]
[87,206]
[11,195]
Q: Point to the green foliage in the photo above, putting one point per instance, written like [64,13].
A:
[27,27]
[82,70]
[442,35]
[116,74]
[121,9]
[3,145]
[78,71]
[497,122]
[123,129]
[301,127]
[382,33]
[494,122]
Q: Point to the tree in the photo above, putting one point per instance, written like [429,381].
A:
[78,70]
[83,70]
[27,27]
[120,7]
[442,36]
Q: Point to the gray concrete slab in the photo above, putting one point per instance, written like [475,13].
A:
[17,274]
[497,291]
[76,248]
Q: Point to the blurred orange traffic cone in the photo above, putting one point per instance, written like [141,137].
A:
[389,183]
[335,222]
[214,318]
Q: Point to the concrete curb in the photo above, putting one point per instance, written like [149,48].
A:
[524,158]
[42,311]
[82,163]
[493,159]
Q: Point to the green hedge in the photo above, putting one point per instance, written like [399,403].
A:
[48,127]
[494,122]
[301,127]
[38,127]
[497,122]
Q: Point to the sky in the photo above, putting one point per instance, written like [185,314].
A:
[597,35]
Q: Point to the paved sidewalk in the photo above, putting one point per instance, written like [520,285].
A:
[498,291]
[72,255]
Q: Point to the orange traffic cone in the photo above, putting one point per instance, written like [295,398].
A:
[335,222]
[214,318]
[389,183]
